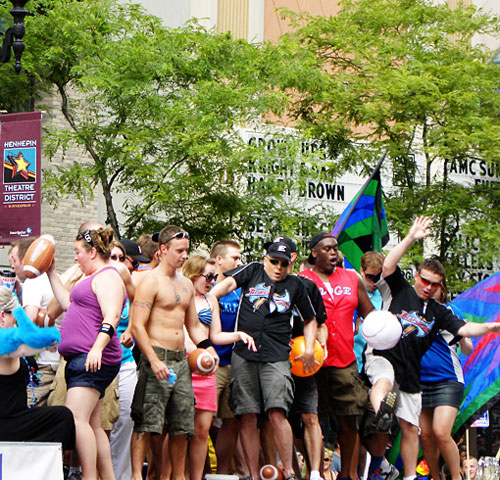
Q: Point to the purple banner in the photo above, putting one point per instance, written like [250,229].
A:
[20,151]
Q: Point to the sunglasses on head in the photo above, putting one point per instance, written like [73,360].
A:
[120,258]
[86,236]
[211,277]
[374,278]
[178,235]
[428,283]
[283,263]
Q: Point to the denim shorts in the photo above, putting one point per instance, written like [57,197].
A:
[76,375]
[442,393]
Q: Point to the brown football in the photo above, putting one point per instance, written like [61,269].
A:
[270,472]
[201,362]
[39,256]
[43,320]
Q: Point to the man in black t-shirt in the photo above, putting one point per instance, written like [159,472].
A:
[399,368]
[262,380]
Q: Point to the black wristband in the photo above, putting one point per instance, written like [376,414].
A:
[205,343]
[107,328]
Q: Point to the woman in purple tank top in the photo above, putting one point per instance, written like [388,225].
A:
[90,345]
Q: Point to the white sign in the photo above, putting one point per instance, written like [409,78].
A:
[483,421]
[33,460]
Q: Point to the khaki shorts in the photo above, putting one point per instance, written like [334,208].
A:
[342,388]
[157,402]
[111,405]
[46,374]
[223,376]
[260,386]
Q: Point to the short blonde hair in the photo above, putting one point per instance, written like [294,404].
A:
[195,265]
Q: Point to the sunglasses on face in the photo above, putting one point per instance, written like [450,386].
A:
[374,278]
[283,263]
[116,258]
[134,263]
[428,283]
[211,277]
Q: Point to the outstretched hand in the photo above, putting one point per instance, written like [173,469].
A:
[420,228]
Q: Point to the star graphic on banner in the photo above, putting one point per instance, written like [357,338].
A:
[19,165]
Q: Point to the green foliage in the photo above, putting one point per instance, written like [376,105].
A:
[402,76]
[157,112]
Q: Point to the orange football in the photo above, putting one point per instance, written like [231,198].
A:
[201,362]
[43,320]
[298,345]
[39,256]
[270,472]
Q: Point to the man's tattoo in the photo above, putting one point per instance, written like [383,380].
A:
[140,304]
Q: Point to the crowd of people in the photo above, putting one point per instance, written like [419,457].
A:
[118,391]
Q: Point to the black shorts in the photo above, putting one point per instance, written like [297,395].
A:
[76,375]
[442,394]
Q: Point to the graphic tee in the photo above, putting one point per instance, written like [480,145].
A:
[421,321]
[265,311]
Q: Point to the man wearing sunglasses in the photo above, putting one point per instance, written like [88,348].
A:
[399,368]
[262,380]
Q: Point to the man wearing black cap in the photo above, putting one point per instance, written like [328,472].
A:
[262,380]
[343,292]
[133,254]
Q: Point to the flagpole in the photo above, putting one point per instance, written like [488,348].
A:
[467,452]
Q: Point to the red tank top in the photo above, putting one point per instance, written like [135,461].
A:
[340,302]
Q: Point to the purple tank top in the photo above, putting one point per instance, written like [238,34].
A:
[82,322]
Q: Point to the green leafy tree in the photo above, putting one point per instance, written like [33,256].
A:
[157,111]
[403,76]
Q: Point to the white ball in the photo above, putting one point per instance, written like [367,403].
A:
[381,330]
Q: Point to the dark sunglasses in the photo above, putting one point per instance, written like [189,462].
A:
[211,277]
[7,311]
[283,263]
[372,277]
[121,258]
[134,262]
[178,235]
[428,283]
[327,459]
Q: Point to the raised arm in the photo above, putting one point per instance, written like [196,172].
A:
[418,231]
[110,293]
[61,293]
[223,288]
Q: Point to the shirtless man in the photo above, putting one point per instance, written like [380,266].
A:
[163,304]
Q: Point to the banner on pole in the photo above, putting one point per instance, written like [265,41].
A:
[20,151]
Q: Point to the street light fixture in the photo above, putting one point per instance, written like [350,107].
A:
[14,36]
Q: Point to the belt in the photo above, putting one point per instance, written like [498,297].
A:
[164,354]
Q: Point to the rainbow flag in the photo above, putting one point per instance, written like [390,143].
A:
[480,303]
[362,226]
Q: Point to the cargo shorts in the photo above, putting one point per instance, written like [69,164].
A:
[157,402]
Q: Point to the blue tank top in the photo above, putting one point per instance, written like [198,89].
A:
[127,355]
